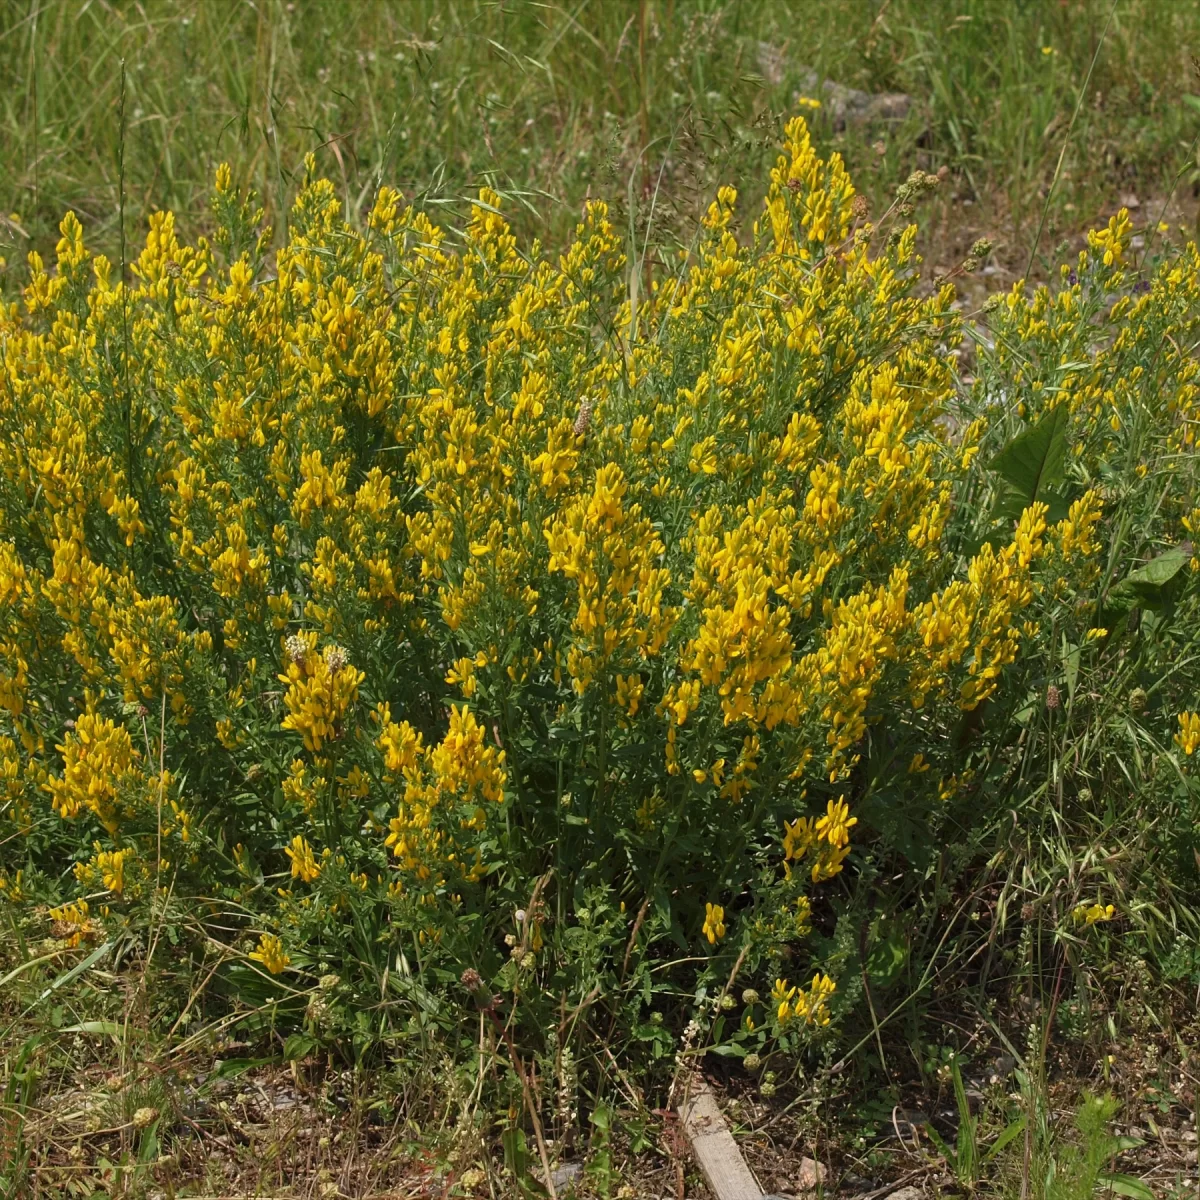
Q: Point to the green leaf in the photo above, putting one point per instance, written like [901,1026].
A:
[229,1068]
[298,1045]
[1123,1185]
[1150,586]
[968,1147]
[78,969]
[1032,468]
[1070,658]
[886,959]
[1191,101]
[940,1145]
[101,1028]
[516,1157]
[1154,586]
[1009,1132]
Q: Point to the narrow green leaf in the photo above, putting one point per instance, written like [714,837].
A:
[100,1028]
[1010,1131]
[78,969]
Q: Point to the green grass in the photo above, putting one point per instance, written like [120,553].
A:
[551,101]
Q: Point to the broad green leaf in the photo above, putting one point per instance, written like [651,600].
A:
[1070,659]
[1150,585]
[1123,1185]
[516,1157]
[1153,586]
[1032,467]
[299,1045]
[886,959]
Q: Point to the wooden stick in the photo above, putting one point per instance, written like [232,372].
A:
[721,1162]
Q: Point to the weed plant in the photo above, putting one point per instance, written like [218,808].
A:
[572,664]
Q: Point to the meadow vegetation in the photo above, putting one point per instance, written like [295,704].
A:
[479,676]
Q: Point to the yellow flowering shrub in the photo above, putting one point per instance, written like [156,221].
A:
[411,573]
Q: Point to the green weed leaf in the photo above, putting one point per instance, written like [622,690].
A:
[1031,466]
[1123,1185]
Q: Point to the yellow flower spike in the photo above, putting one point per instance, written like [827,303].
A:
[304,863]
[834,827]
[271,954]
[1188,737]
[714,923]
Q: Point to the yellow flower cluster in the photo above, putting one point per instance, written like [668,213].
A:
[829,835]
[1092,914]
[808,1006]
[714,923]
[1188,737]
[271,954]
[644,563]
[320,689]
[105,869]
[444,790]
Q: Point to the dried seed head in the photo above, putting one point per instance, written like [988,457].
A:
[471,979]
[584,418]
[1053,699]
[859,207]
[335,658]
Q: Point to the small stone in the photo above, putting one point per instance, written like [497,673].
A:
[1130,200]
[565,1173]
[907,1193]
[811,1175]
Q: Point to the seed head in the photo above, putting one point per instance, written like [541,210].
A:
[584,418]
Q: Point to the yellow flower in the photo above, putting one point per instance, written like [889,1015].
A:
[834,827]
[304,864]
[321,689]
[810,1006]
[1188,737]
[714,923]
[1092,914]
[271,954]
